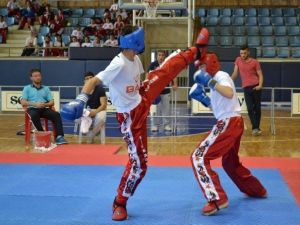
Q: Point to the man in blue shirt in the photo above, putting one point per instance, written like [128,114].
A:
[38,100]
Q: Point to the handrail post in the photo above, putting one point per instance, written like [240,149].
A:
[272,122]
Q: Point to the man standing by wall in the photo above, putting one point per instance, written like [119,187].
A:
[252,83]
[163,105]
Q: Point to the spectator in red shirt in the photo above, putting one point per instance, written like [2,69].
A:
[3,29]
[252,83]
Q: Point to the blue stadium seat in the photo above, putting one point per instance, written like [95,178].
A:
[73,21]
[266,30]
[213,40]
[212,21]
[225,12]
[225,21]
[213,12]
[294,41]
[269,52]
[276,11]
[293,30]
[254,41]
[83,22]
[238,12]
[295,52]
[289,12]
[68,30]
[3,12]
[238,20]
[40,40]
[251,21]
[225,30]
[239,40]
[10,21]
[0,38]
[263,12]
[277,21]
[77,12]
[53,39]
[201,12]
[258,52]
[239,30]
[267,41]
[283,52]
[44,30]
[264,21]
[89,13]
[66,39]
[226,41]
[203,20]
[290,21]
[279,30]
[282,41]
[253,30]
[99,12]
[214,30]
[251,12]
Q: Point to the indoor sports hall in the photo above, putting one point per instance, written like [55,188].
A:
[42,182]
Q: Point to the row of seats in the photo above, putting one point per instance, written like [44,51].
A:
[203,12]
[255,41]
[255,30]
[280,52]
[250,21]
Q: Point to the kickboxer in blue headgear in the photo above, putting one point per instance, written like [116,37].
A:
[132,100]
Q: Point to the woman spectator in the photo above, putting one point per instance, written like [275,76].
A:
[98,42]
[58,45]
[56,26]
[111,42]
[77,33]
[46,17]
[28,16]
[47,46]
[30,44]
[118,26]
[108,26]
[3,29]
[87,42]
[13,9]
[74,42]
[91,28]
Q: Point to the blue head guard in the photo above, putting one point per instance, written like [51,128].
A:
[134,40]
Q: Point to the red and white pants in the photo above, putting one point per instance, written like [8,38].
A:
[133,123]
[224,141]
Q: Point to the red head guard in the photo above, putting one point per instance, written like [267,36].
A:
[212,63]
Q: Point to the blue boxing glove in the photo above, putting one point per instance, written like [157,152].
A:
[74,109]
[202,77]
[198,93]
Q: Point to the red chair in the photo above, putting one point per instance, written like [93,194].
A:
[28,127]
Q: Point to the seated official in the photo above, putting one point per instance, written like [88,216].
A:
[39,102]
[96,104]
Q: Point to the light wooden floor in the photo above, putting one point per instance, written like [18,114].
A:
[286,142]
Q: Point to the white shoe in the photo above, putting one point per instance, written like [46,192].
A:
[256,132]
[168,128]
[154,128]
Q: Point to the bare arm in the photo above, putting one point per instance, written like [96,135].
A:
[260,80]
[235,73]
[224,90]
[90,85]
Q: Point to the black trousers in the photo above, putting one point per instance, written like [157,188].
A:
[253,102]
[37,114]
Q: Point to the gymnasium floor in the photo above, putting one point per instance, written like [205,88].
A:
[76,183]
